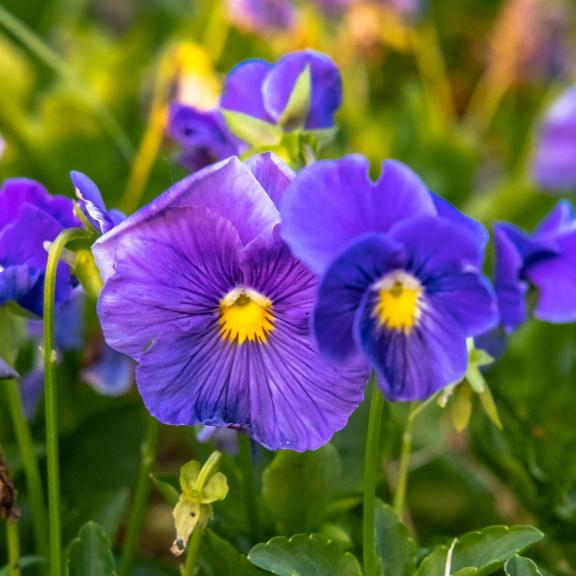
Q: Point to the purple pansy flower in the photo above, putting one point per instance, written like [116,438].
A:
[29,218]
[92,205]
[545,259]
[201,291]
[261,15]
[555,162]
[400,272]
[202,135]
[262,90]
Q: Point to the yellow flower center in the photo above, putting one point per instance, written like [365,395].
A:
[245,316]
[398,306]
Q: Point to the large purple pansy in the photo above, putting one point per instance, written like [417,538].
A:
[202,292]
[400,272]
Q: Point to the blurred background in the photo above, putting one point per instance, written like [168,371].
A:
[455,88]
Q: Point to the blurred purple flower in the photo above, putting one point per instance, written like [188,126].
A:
[262,90]
[261,15]
[29,218]
[202,136]
[108,372]
[400,272]
[555,161]
[546,260]
[225,439]
[201,291]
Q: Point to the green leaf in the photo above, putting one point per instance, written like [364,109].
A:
[482,552]
[225,558]
[395,549]
[304,555]
[297,488]
[89,554]
[255,132]
[296,111]
[489,407]
[168,492]
[461,407]
[520,566]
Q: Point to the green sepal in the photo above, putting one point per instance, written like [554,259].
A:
[255,132]
[294,115]
[521,566]
[87,272]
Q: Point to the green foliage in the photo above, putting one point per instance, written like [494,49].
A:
[395,549]
[479,553]
[304,555]
[520,566]
[298,487]
[89,554]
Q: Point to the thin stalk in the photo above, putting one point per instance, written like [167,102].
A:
[154,133]
[250,491]
[371,468]
[432,69]
[31,466]
[192,552]
[140,496]
[54,61]
[13,541]
[51,397]
[217,30]
[404,465]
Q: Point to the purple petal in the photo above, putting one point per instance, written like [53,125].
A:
[91,202]
[280,392]
[444,258]
[555,162]
[437,246]
[19,192]
[326,95]
[170,269]
[413,366]
[111,374]
[559,221]
[203,135]
[16,282]
[243,89]
[227,188]
[262,15]
[473,227]
[555,278]
[273,175]
[514,249]
[23,243]
[334,201]
[31,390]
[343,286]
[6,371]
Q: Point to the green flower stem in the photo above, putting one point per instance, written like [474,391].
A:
[400,493]
[140,496]
[371,467]
[193,552]
[54,61]
[51,396]
[250,490]
[13,541]
[31,466]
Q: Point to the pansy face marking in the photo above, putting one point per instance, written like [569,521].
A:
[398,301]
[245,316]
